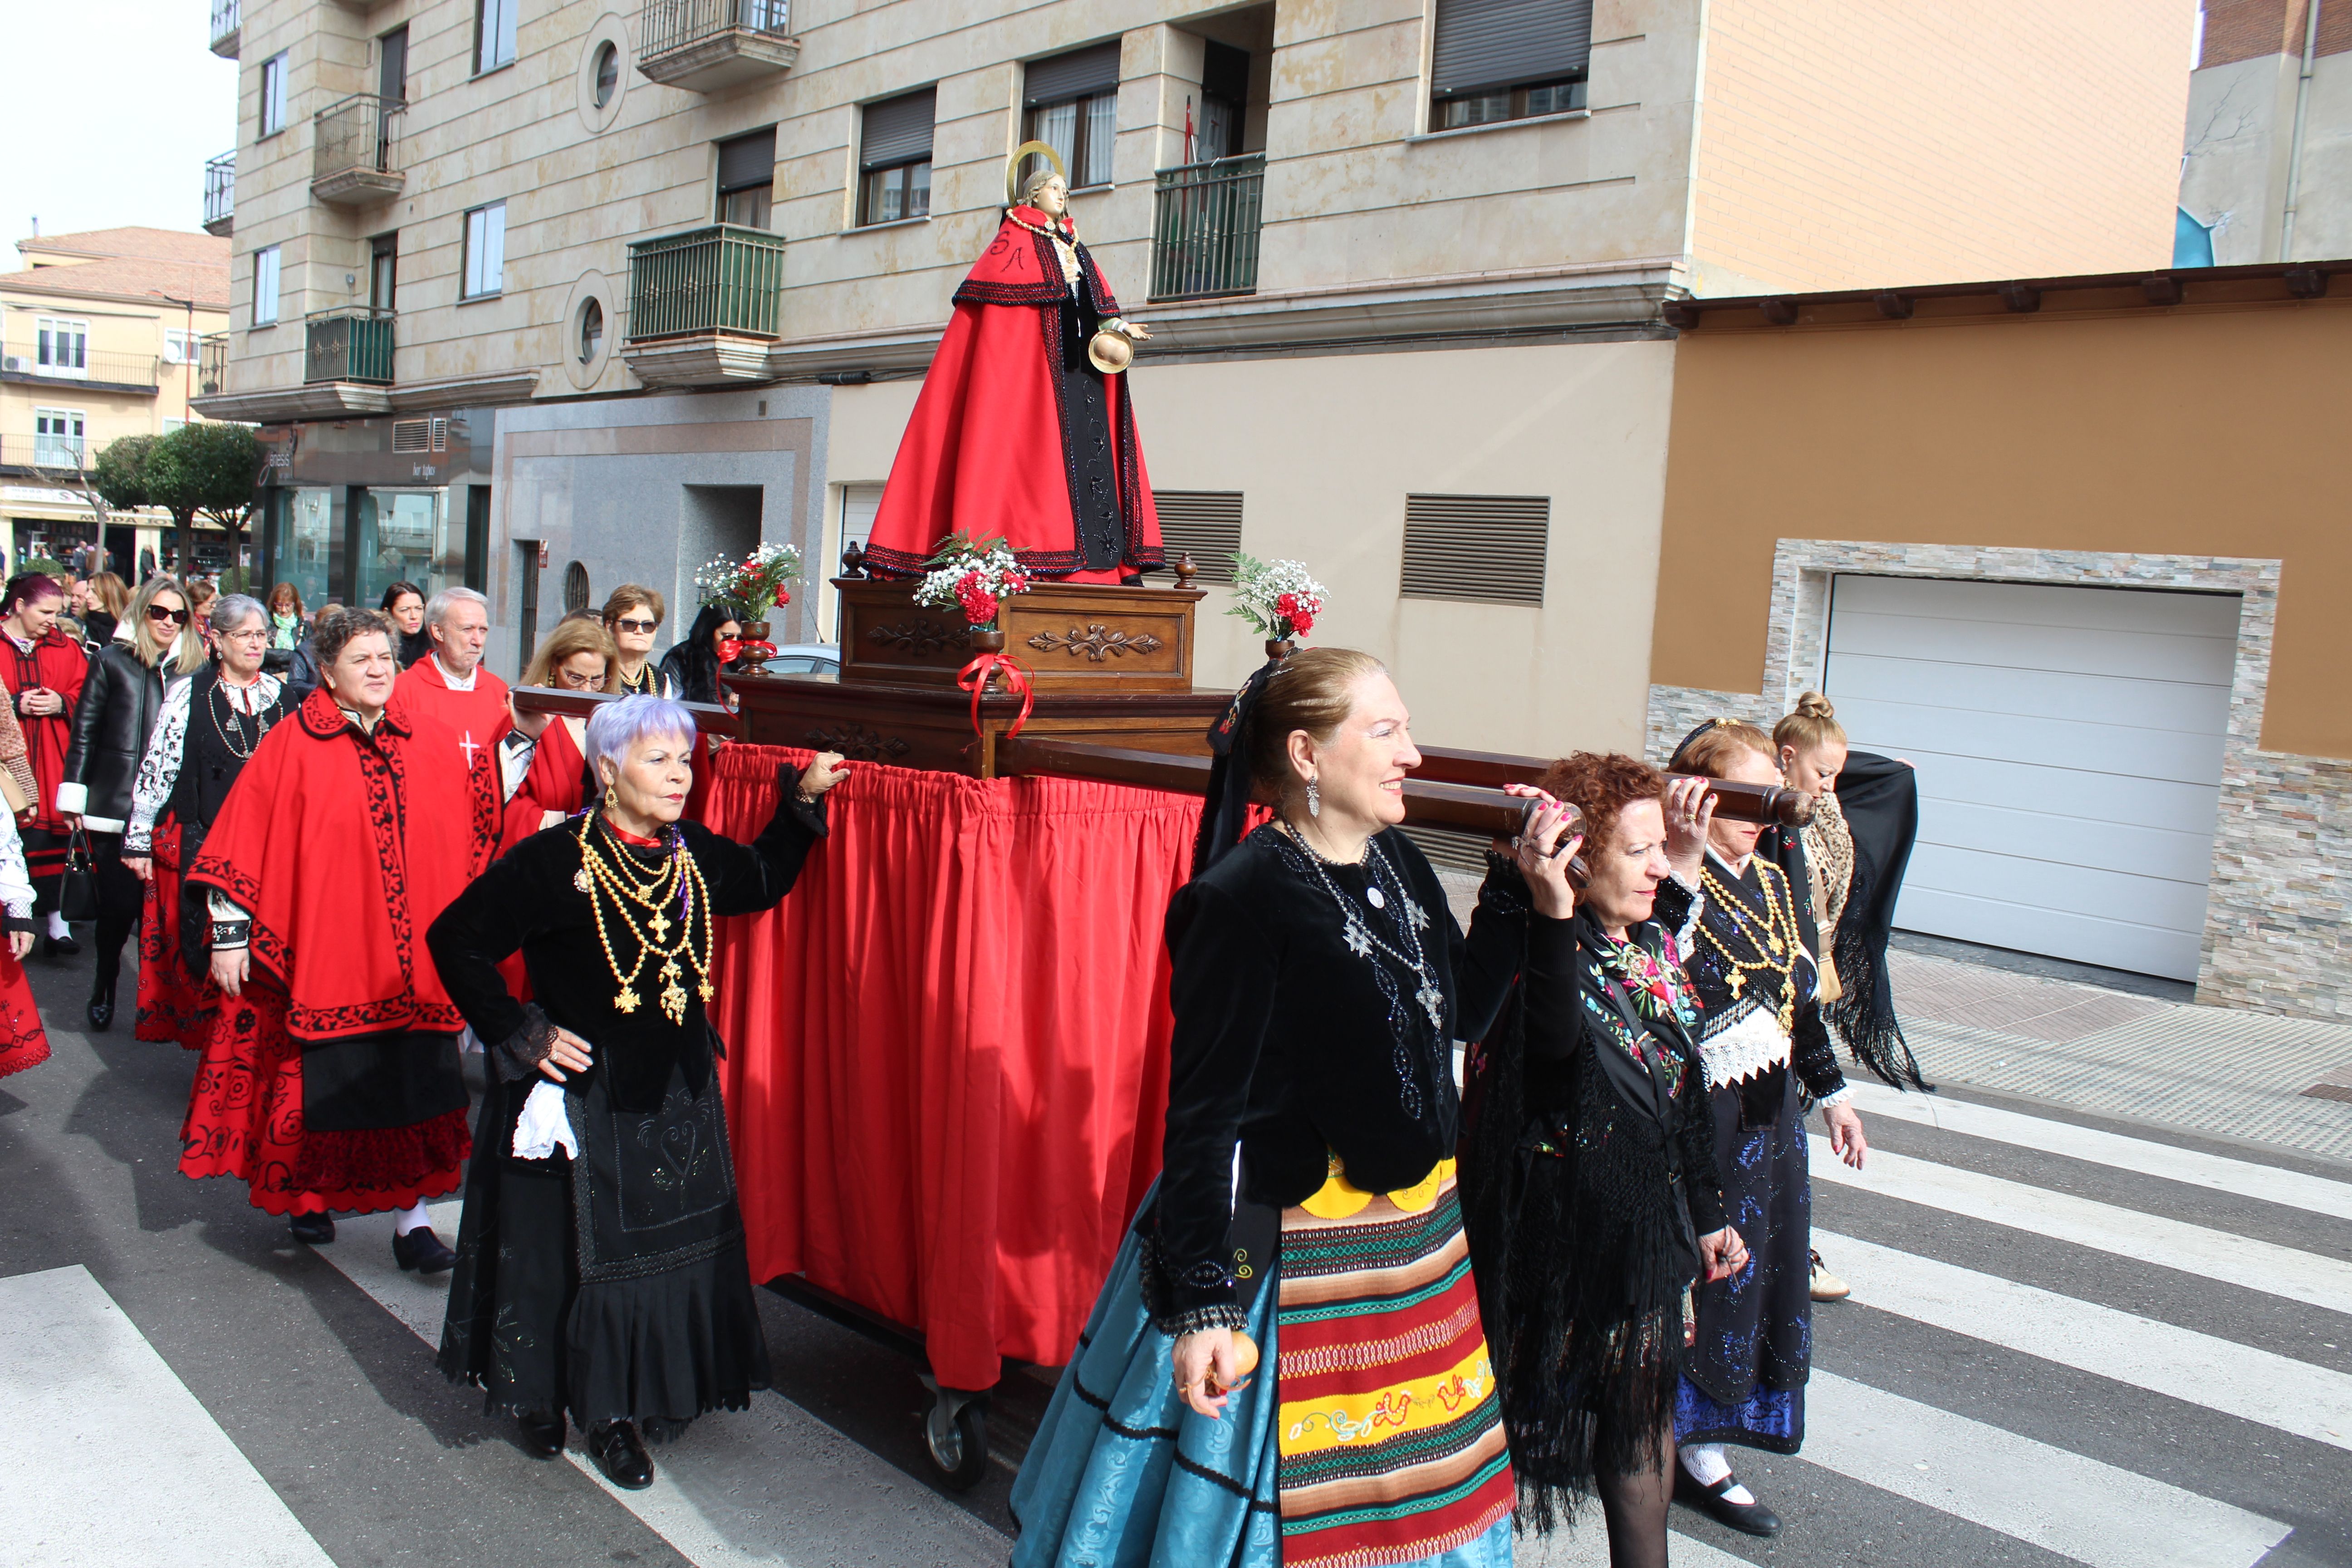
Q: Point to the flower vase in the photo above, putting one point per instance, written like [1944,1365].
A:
[988,639]
[1280,649]
[754,631]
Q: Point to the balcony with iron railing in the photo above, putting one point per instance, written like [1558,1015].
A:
[1204,228]
[43,455]
[704,305]
[350,150]
[220,195]
[224,28]
[705,46]
[211,365]
[349,343]
[79,369]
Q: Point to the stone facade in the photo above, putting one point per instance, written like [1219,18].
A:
[2282,869]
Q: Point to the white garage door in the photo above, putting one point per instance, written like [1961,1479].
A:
[2069,748]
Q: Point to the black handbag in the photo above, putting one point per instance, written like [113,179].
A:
[78,888]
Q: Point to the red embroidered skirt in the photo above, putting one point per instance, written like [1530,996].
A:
[23,1042]
[245,1120]
[173,1005]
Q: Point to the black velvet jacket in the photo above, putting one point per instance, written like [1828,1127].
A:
[528,899]
[1301,1049]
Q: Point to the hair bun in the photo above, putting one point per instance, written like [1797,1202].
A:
[1814,705]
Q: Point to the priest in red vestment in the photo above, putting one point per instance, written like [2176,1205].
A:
[1024,430]
[449,683]
[43,670]
[331,1079]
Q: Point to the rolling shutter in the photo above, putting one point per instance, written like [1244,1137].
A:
[1207,525]
[1503,43]
[1488,549]
[747,162]
[1074,75]
[898,130]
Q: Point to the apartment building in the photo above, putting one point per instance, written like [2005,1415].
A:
[530,292]
[102,335]
[2266,171]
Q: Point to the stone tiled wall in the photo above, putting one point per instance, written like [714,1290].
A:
[2278,902]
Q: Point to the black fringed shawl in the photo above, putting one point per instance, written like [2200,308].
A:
[1880,797]
[1588,1173]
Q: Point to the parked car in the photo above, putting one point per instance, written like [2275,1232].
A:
[805,659]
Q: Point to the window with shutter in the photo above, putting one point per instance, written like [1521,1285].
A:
[1485,549]
[895,158]
[746,178]
[1072,103]
[1205,525]
[1494,61]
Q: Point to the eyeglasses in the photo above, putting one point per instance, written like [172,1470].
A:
[632,625]
[158,612]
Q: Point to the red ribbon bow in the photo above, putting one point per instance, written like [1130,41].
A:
[974,679]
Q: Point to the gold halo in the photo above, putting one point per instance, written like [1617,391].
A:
[1012,169]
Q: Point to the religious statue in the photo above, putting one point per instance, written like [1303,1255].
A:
[1024,430]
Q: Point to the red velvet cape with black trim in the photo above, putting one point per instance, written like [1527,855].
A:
[983,452]
[57,662]
[343,848]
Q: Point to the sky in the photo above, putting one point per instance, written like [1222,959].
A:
[114,130]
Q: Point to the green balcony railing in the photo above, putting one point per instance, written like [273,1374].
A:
[1204,227]
[352,342]
[725,278]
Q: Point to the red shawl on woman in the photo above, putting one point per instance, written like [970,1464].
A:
[57,662]
[983,452]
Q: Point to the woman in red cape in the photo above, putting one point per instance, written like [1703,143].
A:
[43,670]
[1018,435]
[331,1080]
[23,1042]
[210,724]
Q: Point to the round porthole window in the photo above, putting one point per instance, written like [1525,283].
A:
[608,73]
[575,587]
[591,332]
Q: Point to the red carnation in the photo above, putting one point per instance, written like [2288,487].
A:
[1301,623]
[1287,606]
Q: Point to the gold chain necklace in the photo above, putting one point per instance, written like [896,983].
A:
[1774,936]
[622,887]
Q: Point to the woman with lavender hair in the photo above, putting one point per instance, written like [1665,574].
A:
[601,1270]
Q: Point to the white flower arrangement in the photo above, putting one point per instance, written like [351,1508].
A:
[752,586]
[974,575]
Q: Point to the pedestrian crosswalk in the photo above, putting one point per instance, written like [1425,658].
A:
[2064,1346]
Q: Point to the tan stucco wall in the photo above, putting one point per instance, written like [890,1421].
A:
[1853,143]
[1326,449]
[2198,431]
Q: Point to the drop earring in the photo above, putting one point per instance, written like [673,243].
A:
[1314,799]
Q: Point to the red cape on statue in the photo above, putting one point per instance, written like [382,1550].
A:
[480,715]
[983,452]
[343,850]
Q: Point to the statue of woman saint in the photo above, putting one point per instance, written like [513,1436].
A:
[1024,430]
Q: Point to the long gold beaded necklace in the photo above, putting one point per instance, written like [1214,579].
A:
[641,904]
[1774,937]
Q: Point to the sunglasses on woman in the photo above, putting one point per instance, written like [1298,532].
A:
[159,612]
[634,627]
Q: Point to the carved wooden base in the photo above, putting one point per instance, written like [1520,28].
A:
[1070,635]
[931,726]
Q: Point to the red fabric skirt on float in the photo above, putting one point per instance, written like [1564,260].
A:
[173,1005]
[23,1042]
[245,1120]
[946,1057]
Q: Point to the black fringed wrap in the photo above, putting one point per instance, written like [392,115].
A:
[1225,814]
[1880,797]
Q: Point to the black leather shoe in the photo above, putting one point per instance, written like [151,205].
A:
[100,1011]
[421,1250]
[1749,1518]
[314,1229]
[542,1435]
[59,946]
[621,1454]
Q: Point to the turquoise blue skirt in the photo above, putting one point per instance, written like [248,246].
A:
[1123,1474]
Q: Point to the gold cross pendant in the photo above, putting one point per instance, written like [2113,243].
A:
[1737,980]
[660,925]
[626,1001]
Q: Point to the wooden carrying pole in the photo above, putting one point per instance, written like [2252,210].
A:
[709,718]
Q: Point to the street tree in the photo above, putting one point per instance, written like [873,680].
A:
[209,470]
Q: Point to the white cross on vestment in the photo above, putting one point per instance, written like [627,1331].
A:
[469,747]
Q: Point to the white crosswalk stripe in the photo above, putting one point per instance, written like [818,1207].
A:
[2244,1178]
[2257,1265]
